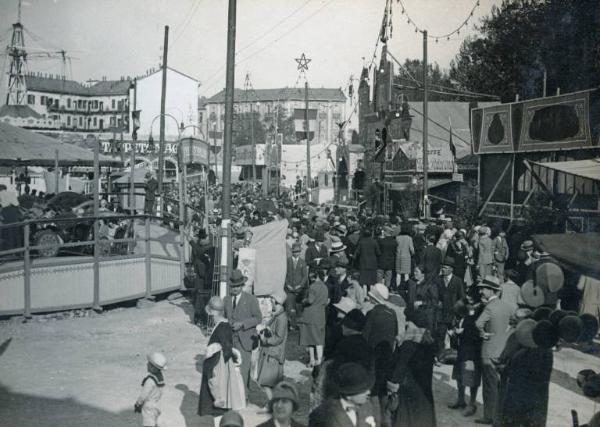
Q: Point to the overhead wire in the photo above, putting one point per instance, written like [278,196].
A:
[286,33]
[186,22]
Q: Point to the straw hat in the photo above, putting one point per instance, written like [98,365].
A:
[337,246]
[345,305]
[490,282]
[380,293]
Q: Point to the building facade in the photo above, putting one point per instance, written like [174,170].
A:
[103,108]
[326,108]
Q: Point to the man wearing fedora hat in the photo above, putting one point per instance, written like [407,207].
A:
[296,284]
[450,291]
[353,407]
[493,324]
[243,312]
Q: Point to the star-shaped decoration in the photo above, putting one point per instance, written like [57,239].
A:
[302,62]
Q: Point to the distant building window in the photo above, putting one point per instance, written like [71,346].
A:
[69,119]
[113,119]
[112,104]
[68,102]
[31,99]
[80,104]
[42,100]
[95,122]
[56,103]
[81,121]
[120,105]
[96,104]
[101,105]
[85,105]
[119,123]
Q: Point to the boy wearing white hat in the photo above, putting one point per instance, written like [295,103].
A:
[148,402]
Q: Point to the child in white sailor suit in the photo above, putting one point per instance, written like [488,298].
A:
[148,402]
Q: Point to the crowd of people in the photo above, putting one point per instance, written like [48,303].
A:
[378,301]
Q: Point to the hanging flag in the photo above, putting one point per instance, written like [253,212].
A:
[452,146]
[135,121]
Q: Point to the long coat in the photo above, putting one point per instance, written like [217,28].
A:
[367,252]
[296,278]
[404,254]
[432,261]
[272,352]
[525,401]
[387,259]
[449,295]
[413,371]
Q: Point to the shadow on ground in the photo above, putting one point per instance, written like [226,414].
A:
[26,410]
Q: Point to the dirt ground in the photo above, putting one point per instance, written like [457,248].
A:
[68,371]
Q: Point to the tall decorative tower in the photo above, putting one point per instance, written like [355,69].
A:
[16,78]
[364,105]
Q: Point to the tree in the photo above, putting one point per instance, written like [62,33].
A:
[413,68]
[247,125]
[285,124]
[521,39]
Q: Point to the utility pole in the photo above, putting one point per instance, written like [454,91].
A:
[163,96]
[425,129]
[253,144]
[227,143]
[308,175]
[133,146]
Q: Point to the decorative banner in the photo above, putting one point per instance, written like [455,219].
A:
[247,265]
[269,242]
[243,155]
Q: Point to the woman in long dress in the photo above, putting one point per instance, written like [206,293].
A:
[222,387]
[272,348]
[410,383]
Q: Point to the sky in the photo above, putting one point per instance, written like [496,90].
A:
[115,38]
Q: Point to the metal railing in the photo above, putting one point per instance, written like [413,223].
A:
[29,250]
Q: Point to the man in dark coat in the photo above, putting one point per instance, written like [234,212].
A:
[296,284]
[387,259]
[150,194]
[243,312]
[450,292]
[316,250]
[381,321]
[203,256]
[431,259]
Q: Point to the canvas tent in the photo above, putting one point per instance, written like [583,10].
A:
[21,147]
[577,252]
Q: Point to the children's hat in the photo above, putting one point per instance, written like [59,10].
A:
[158,360]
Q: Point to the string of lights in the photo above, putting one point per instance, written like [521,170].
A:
[438,37]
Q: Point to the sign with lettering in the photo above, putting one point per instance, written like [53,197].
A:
[194,150]
[439,157]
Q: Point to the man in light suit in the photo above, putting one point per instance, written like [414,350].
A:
[296,284]
[243,313]
[353,408]
[493,325]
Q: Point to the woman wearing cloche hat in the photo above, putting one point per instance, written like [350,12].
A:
[282,405]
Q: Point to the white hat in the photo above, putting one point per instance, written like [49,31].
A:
[158,360]
[379,292]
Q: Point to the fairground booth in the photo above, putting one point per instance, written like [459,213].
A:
[548,145]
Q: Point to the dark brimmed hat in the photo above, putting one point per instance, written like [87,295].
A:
[570,328]
[545,335]
[237,278]
[355,320]
[449,262]
[490,282]
[284,390]
[296,248]
[353,379]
